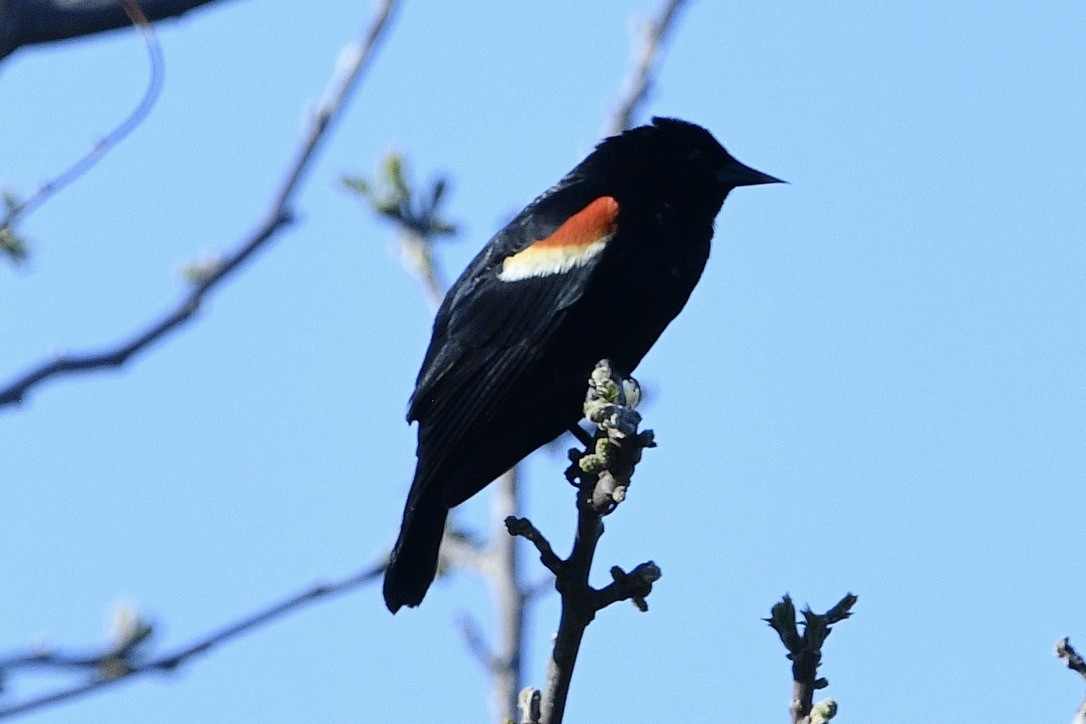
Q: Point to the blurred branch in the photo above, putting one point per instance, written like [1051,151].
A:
[530,703]
[126,659]
[1066,653]
[416,213]
[417,216]
[12,245]
[16,209]
[354,60]
[476,642]
[510,599]
[654,34]
[805,653]
[26,22]
[603,474]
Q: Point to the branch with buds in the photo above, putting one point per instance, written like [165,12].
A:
[805,653]
[601,474]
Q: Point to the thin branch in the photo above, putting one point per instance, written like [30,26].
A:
[1074,661]
[135,15]
[476,642]
[509,600]
[415,211]
[805,653]
[603,471]
[640,79]
[524,528]
[122,666]
[420,263]
[355,59]
[26,22]
[1066,653]
[460,551]
[533,590]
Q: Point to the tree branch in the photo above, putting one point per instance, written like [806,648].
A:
[805,653]
[654,35]
[18,209]
[1074,661]
[122,662]
[26,22]
[603,471]
[358,56]
[509,598]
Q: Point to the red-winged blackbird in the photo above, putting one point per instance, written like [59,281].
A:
[594,268]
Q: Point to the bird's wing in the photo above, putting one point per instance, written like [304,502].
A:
[499,315]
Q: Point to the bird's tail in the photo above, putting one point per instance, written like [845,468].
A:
[413,563]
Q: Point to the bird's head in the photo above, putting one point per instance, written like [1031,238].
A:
[678,159]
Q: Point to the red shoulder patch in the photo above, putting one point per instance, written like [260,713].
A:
[586,226]
[573,244]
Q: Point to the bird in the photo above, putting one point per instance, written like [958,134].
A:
[594,268]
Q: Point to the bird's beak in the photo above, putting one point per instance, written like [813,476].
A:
[736,174]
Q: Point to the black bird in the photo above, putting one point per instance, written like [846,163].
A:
[594,268]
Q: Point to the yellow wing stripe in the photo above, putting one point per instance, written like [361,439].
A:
[576,242]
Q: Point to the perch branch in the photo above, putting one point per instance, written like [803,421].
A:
[603,474]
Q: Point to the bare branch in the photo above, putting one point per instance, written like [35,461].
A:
[26,22]
[639,82]
[121,664]
[19,209]
[524,528]
[357,56]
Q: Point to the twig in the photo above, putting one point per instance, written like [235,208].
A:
[154,86]
[509,599]
[603,471]
[415,211]
[476,642]
[356,58]
[1066,653]
[639,82]
[805,653]
[121,666]
[1074,661]
[545,584]
[27,22]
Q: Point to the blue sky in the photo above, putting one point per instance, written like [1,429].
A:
[878,386]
